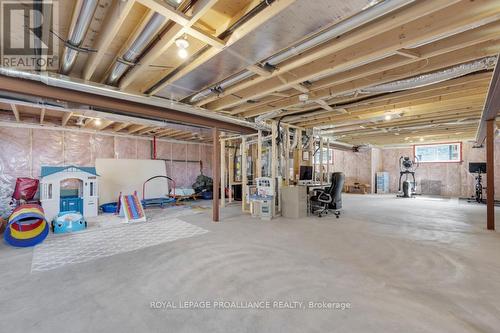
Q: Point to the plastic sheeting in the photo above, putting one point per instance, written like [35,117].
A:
[23,151]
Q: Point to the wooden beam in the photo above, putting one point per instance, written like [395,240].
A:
[382,45]
[216,173]
[136,128]
[180,18]
[42,115]
[412,54]
[167,40]
[66,117]
[490,174]
[106,35]
[118,127]
[39,89]
[360,81]
[15,111]
[418,10]
[492,104]
[239,33]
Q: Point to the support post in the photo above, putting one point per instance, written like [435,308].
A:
[259,154]
[490,174]
[216,174]
[328,158]
[244,177]
[321,160]
[274,160]
[222,173]
[286,148]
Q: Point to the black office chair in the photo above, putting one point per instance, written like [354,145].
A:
[329,199]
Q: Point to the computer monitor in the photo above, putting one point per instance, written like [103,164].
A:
[475,167]
[306,172]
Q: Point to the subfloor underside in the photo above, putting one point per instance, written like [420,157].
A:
[401,265]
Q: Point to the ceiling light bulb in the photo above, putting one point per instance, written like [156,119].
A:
[388,117]
[182,43]
[98,121]
[421,139]
[183,53]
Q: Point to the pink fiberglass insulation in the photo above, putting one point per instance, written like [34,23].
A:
[77,149]
[126,148]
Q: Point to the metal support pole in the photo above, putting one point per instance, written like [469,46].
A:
[216,174]
[490,174]
[244,177]
[222,173]
[259,154]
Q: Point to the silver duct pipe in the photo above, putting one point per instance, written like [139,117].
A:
[260,121]
[101,90]
[435,77]
[370,14]
[77,35]
[130,56]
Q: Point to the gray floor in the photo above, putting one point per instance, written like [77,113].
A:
[404,265]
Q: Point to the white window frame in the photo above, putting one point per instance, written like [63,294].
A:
[458,144]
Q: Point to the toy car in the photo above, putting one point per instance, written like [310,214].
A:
[68,222]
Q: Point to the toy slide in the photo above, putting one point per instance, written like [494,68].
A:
[131,208]
[26,226]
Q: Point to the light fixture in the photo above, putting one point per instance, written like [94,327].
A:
[98,121]
[182,43]
[388,117]
[182,53]
[421,139]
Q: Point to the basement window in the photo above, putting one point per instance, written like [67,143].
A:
[443,152]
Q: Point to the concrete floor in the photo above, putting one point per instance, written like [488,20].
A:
[404,265]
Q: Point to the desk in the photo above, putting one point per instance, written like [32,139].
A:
[294,201]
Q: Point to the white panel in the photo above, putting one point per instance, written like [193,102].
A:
[127,176]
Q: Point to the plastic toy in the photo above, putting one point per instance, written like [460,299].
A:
[67,189]
[68,222]
[131,209]
[150,202]
[26,226]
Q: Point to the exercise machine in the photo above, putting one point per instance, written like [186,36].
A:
[477,168]
[407,167]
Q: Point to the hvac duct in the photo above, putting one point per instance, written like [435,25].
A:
[138,45]
[97,89]
[77,35]
[370,14]
[435,77]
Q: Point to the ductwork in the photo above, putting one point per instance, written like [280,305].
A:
[370,14]
[435,77]
[130,56]
[101,90]
[77,35]
[260,121]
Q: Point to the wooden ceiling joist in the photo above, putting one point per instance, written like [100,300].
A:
[380,46]
[239,33]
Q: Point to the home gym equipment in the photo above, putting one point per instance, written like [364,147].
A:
[131,209]
[407,167]
[329,199]
[160,201]
[477,168]
[26,226]
[68,222]
[262,203]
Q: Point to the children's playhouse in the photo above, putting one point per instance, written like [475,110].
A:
[69,188]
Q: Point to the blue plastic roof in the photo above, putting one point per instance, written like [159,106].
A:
[50,170]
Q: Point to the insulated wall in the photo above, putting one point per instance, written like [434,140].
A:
[24,150]
[446,179]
